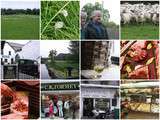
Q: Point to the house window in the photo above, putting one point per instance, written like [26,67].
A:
[2,52]
[9,52]
[12,61]
[114,102]
[1,61]
[17,57]
[5,60]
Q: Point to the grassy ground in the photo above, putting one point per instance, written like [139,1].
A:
[61,65]
[52,12]
[20,27]
[135,31]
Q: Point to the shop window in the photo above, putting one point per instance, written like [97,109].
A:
[114,102]
[102,104]
[88,107]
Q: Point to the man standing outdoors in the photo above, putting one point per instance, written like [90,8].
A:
[95,29]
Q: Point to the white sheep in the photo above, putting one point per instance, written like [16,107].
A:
[139,13]
[126,18]
[155,18]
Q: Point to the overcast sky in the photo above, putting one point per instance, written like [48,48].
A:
[60,45]
[46,45]
[113,7]
[21,4]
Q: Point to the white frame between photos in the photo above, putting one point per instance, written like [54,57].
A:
[79,40]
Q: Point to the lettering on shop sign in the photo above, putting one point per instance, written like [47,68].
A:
[60,86]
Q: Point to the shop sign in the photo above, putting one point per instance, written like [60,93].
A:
[60,86]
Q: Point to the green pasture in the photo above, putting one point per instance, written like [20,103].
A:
[140,31]
[20,27]
[60,67]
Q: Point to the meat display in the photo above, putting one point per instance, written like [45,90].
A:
[140,100]
[139,59]
[19,106]
[141,91]
[13,102]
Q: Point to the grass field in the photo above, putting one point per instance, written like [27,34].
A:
[20,27]
[64,12]
[135,31]
[61,65]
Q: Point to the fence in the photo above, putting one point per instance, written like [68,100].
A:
[15,71]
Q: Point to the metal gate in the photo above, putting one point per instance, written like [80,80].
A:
[10,71]
[16,71]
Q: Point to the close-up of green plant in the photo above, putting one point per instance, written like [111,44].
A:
[60,20]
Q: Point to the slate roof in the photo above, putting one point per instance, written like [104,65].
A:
[16,46]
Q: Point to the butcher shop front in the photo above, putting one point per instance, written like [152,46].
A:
[140,100]
[99,101]
[60,100]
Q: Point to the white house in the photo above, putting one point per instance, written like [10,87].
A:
[30,50]
[9,51]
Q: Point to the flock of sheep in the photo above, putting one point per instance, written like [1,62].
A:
[139,13]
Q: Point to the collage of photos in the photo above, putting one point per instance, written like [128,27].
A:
[80,59]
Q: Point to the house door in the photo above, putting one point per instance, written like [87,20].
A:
[88,107]
[12,61]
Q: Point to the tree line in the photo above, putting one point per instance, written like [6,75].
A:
[19,11]
[89,8]
[72,56]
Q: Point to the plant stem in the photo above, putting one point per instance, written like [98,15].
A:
[54,16]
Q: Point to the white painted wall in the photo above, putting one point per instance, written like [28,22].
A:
[115,48]
[6,55]
[31,50]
